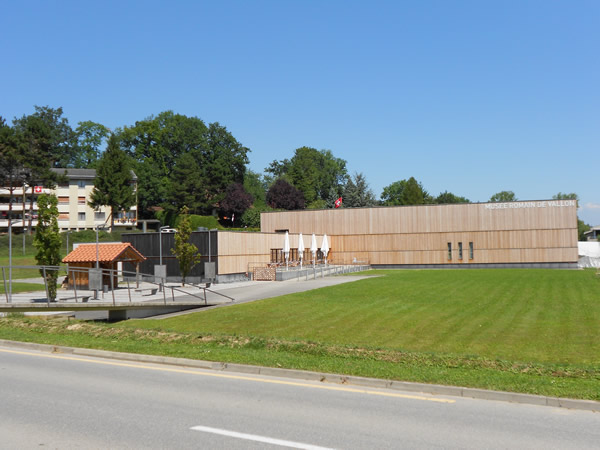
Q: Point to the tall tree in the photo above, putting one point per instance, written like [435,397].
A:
[255,185]
[283,195]
[449,198]
[12,161]
[565,196]
[392,193]
[157,145]
[313,172]
[47,240]
[503,196]
[405,192]
[357,193]
[186,186]
[224,163]
[90,137]
[236,201]
[582,227]
[50,136]
[113,182]
[187,254]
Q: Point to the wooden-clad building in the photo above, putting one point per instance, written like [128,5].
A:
[516,234]
[234,253]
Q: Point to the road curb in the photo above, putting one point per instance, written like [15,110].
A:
[434,389]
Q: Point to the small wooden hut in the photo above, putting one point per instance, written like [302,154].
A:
[108,256]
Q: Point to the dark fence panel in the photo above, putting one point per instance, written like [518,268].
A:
[148,244]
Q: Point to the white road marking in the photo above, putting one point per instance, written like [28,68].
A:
[254,437]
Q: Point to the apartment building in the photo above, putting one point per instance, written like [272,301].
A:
[73,196]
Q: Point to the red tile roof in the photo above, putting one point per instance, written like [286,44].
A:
[106,253]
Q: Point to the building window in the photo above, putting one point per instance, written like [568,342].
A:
[460,250]
[99,216]
[81,216]
[470,250]
[449,251]
[81,200]
[81,184]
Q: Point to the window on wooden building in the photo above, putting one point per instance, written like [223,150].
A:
[470,250]
[449,251]
[460,250]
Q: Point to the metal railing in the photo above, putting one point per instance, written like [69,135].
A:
[310,271]
[126,277]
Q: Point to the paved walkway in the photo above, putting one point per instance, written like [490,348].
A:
[241,292]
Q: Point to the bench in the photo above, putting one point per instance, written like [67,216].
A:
[153,290]
[84,298]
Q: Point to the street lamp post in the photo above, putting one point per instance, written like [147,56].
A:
[68,233]
[162,269]
[97,249]
[9,259]
[98,227]
[160,232]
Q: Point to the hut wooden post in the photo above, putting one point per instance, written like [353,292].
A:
[137,275]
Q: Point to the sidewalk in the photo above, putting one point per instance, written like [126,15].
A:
[241,292]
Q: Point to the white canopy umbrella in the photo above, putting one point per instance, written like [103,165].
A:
[300,248]
[286,248]
[325,247]
[313,248]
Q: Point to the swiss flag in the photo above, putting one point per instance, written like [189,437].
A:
[338,202]
[38,189]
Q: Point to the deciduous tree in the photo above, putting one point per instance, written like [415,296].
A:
[313,172]
[187,254]
[47,240]
[13,173]
[449,198]
[50,136]
[283,195]
[236,201]
[158,144]
[90,137]
[582,227]
[256,186]
[503,196]
[405,192]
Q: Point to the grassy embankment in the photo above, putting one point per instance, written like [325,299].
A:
[534,331]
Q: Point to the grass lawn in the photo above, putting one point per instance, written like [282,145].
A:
[22,287]
[521,315]
[535,331]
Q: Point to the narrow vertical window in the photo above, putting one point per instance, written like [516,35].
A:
[460,250]
[449,251]
[470,250]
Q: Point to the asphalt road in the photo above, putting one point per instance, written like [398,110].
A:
[65,401]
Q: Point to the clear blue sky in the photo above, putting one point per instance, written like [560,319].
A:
[474,97]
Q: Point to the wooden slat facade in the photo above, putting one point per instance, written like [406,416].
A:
[237,250]
[502,233]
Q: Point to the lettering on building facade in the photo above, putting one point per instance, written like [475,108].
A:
[540,204]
